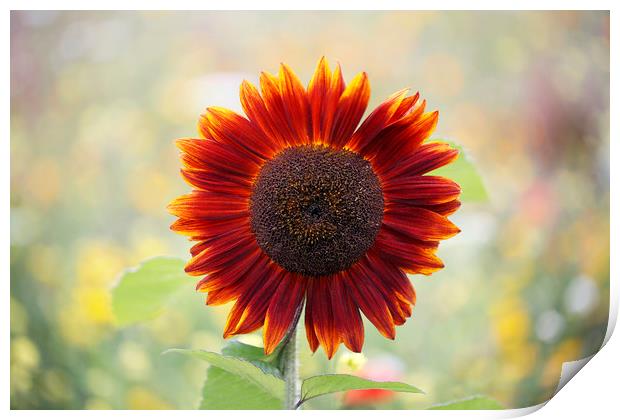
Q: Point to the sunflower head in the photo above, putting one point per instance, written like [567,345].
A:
[298,202]
[315,210]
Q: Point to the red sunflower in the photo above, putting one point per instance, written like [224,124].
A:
[295,202]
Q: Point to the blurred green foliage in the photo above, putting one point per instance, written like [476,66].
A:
[97,99]
[142,292]
[464,172]
[473,403]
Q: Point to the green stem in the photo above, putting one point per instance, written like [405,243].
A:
[290,370]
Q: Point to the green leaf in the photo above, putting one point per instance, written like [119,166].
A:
[256,355]
[225,391]
[327,384]
[142,291]
[261,374]
[245,351]
[478,402]
[464,172]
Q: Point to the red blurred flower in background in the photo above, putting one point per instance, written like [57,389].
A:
[381,369]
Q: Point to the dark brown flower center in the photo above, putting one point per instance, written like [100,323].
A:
[315,210]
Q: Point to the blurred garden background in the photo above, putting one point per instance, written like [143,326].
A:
[97,99]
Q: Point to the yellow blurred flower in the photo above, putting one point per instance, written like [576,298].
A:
[77,328]
[514,281]
[149,191]
[86,318]
[350,362]
[100,383]
[511,323]
[95,304]
[568,351]
[145,246]
[44,263]
[139,398]
[252,339]
[134,360]
[517,361]
[594,249]
[98,263]
[24,353]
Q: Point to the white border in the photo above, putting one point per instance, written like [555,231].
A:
[593,393]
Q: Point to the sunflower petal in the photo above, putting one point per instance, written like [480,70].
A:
[421,190]
[296,104]
[406,106]
[405,253]
[225,251]
[313,340]
[347,316]
[270,90]
[324,91]
[205,154]
[319,294]
[396,281]
[376,121]
[419,223]
[445,209]
[207,205]
[369,299]
[351,107]
[389,281]
[230,277]
[426,158]
[226,126]
[248,312]
[212,182]
[318,94]
[256,110]
[283,307]
[400,139]
[223,288]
